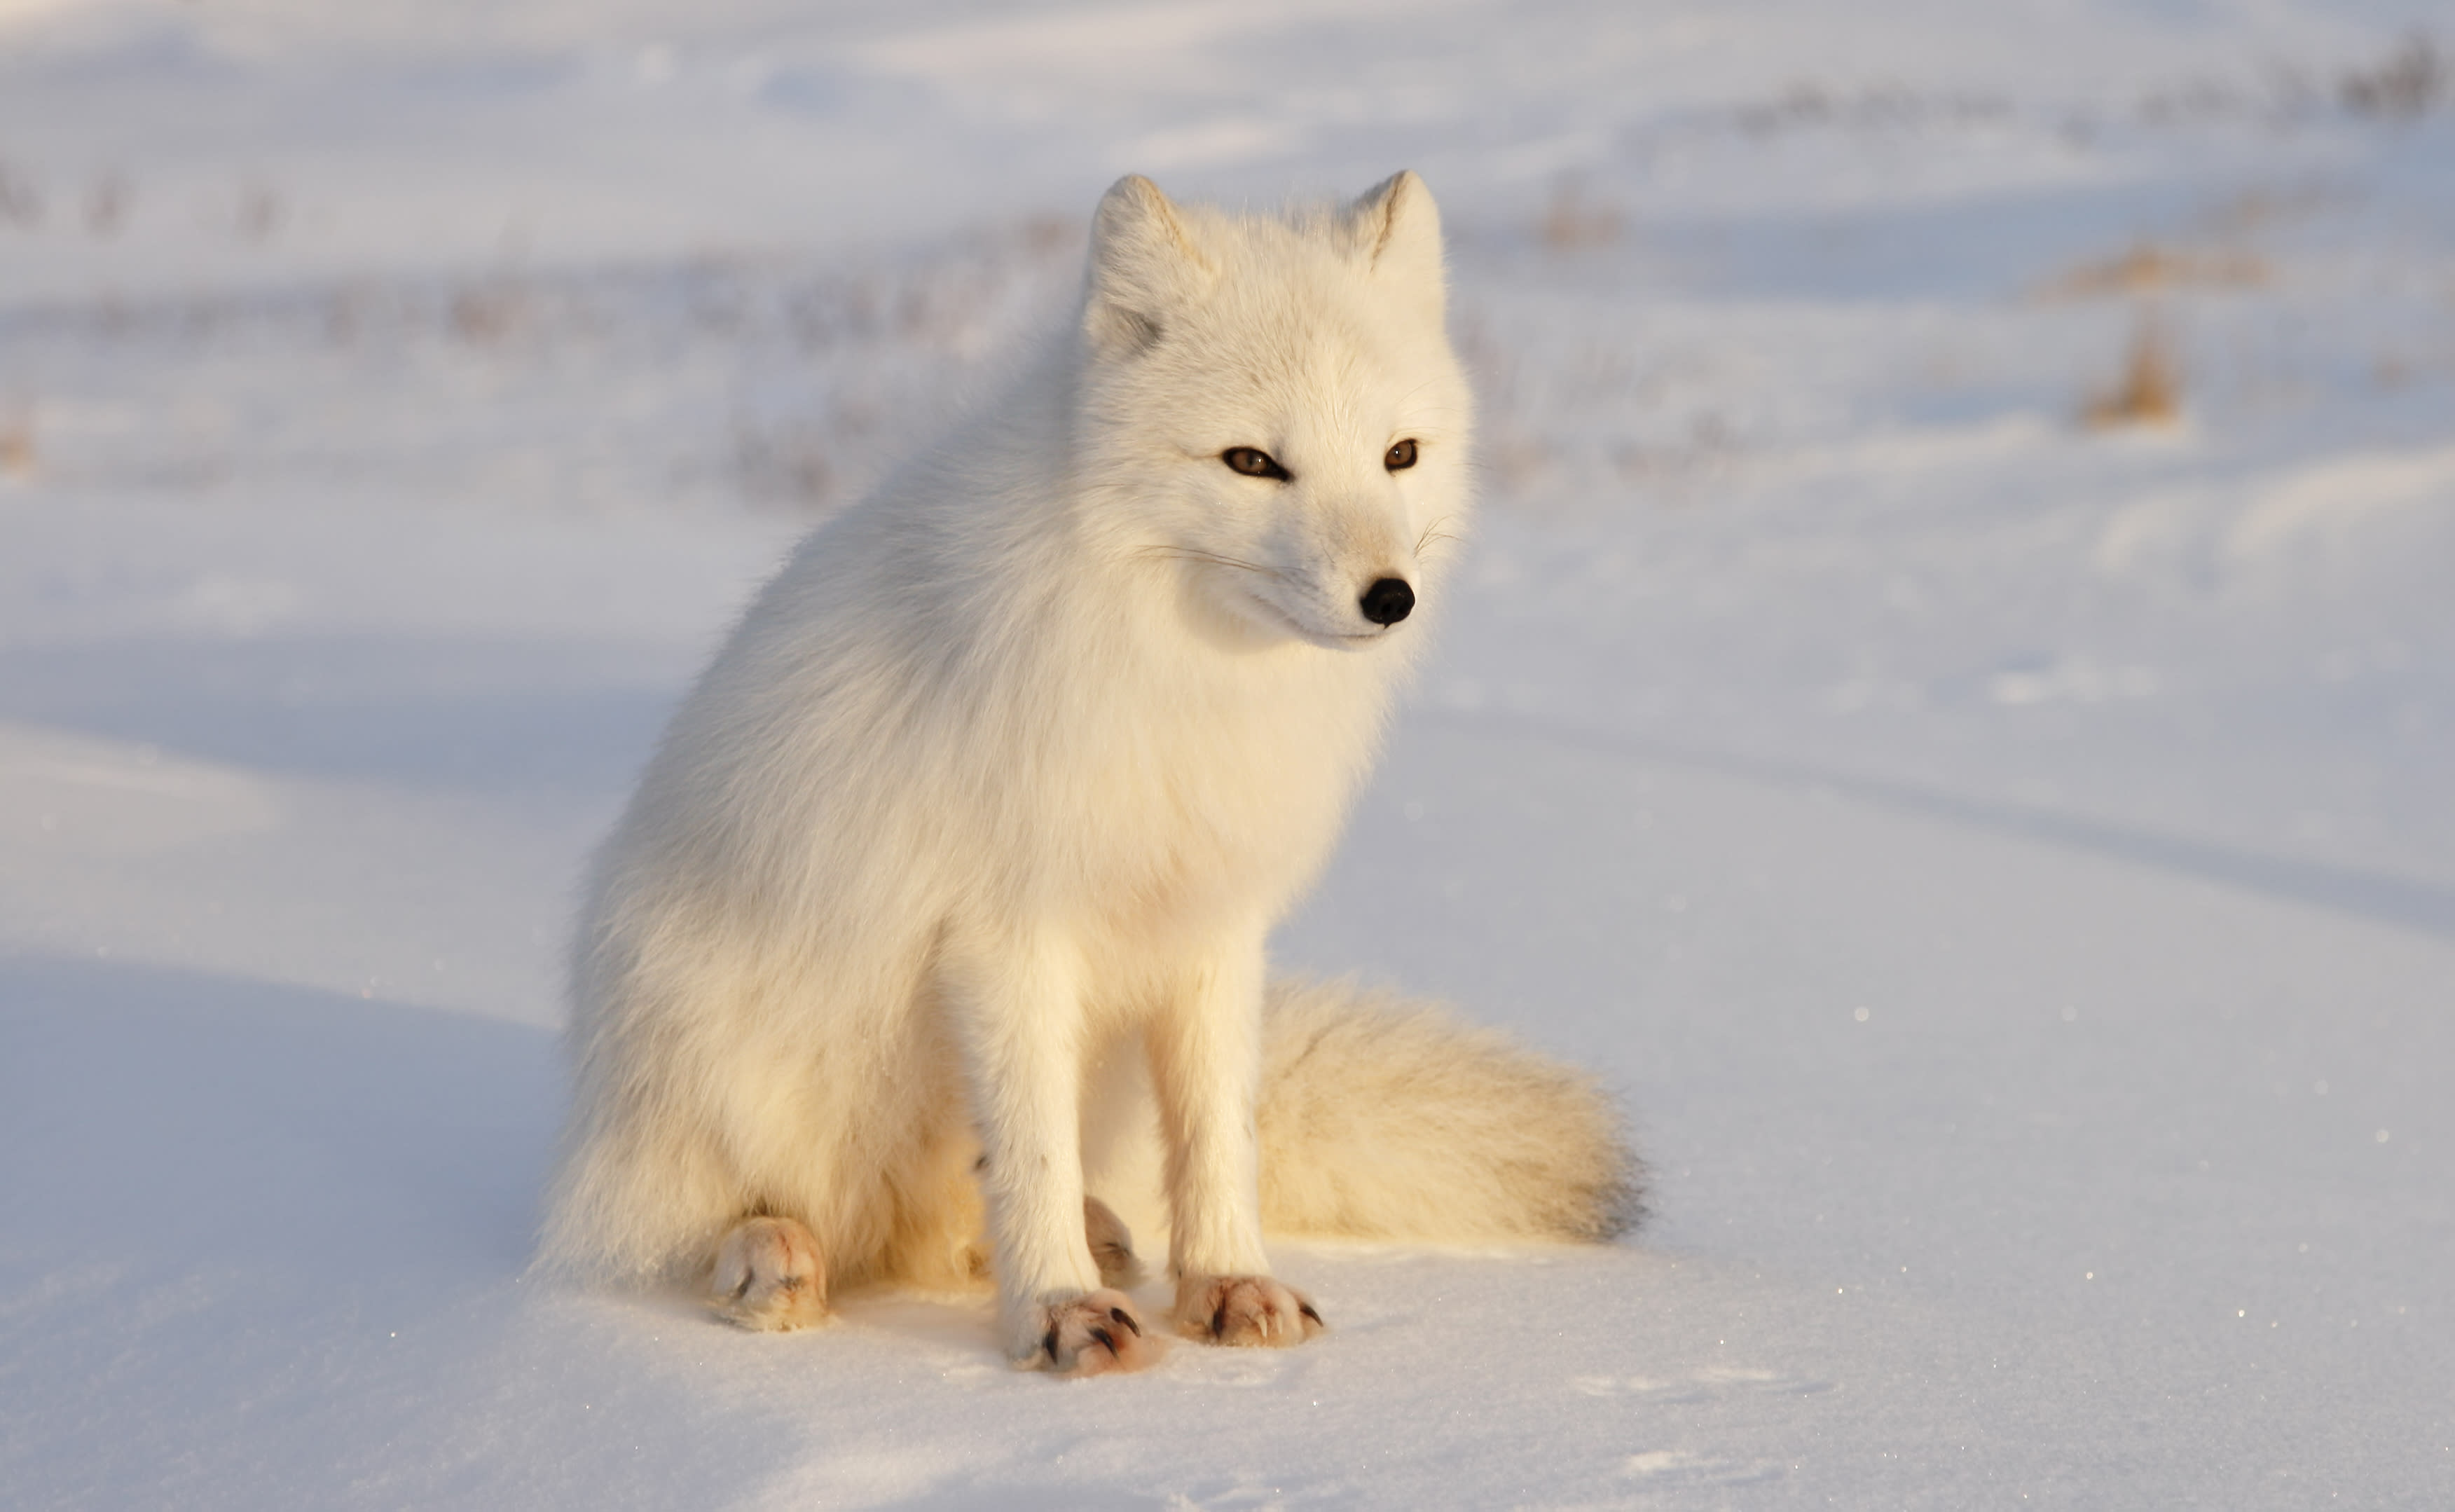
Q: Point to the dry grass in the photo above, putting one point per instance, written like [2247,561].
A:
[260,212]
[21,203]
[488,313]
[783,465]
[2149,391]
[2148,268]
[107,205]
[1570,222]
[2254,210]
[2405,84]
[17,455]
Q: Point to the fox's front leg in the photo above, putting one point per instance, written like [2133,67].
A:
[1205,1068]
[1017,1012]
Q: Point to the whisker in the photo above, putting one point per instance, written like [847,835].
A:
[1191,554]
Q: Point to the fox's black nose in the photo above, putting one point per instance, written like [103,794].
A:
[1388,601]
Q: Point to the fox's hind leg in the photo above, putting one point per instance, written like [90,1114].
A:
[769,1275]
[1112,1246]
[1113,1251]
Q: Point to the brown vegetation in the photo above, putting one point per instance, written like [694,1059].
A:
[2405,85]
[2149,392]
[2147,267]
[16,443]
[1571,222]
[21,203]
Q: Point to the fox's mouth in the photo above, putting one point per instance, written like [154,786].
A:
[1328,639]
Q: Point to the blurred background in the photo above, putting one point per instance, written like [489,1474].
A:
[2046,401]
[1950,707]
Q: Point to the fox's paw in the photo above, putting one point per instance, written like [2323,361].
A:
[769,1275]
[1088,1334]
[1112,1246]
[1244,1310]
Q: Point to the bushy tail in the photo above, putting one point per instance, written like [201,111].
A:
[1386,1118]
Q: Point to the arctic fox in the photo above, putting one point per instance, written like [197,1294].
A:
[957,866]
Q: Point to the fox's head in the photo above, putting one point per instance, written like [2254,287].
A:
[1271,409]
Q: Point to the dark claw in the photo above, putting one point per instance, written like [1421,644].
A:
[1107,1340]
[1219,1318]
[744,1289]
[1049,1345]
[1306,1308]
[1127,1319]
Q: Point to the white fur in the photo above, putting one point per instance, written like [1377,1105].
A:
[1007,776]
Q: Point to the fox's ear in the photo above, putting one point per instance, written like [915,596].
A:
[1397,232]
[1144,266]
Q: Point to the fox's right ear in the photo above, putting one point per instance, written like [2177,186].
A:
[1144,267]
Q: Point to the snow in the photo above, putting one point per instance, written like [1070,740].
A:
[2006,864]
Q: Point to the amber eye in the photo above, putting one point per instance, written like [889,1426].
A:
[1401,457]
[1253,462]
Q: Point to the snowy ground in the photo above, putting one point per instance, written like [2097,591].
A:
[2007,861]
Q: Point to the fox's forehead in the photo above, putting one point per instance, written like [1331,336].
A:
[1289,358]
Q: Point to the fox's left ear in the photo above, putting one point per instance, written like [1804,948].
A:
[1397,232]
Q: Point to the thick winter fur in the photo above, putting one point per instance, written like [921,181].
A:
[974,832]
[1388,1119]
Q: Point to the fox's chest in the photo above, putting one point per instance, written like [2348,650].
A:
[1185,820]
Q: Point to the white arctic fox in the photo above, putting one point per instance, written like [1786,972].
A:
[959,862]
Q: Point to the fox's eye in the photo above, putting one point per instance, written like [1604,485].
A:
[1400,456]
[1253,462]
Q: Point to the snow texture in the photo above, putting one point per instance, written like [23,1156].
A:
[1950,712]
